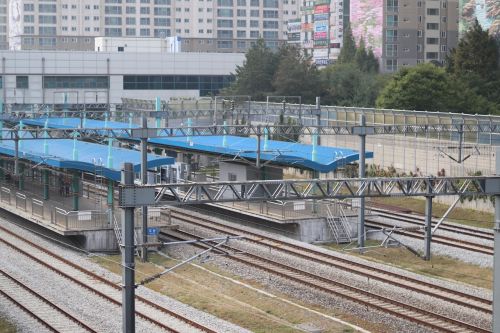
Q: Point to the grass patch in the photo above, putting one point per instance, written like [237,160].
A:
[465,216]
[240,305]
[6,326]
[439,266]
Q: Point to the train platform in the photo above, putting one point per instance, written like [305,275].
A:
[69,186]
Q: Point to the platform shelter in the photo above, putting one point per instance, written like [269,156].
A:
[68,186]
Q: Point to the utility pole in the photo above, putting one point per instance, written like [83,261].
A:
[128,265]
[144,180]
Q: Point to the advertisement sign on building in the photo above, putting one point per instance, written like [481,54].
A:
[320,36]
[321,17]
[322,9]
[366,21]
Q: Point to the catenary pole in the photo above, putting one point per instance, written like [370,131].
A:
[144,180]
[128,265]
[496,256]
[362,156]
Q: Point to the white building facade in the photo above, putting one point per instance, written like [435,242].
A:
[227,24]
[45,77]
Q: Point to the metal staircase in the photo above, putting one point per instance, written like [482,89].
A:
[338,224]
[119,236]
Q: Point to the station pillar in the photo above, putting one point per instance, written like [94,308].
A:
[21,176]
[111,196]
[45,180]
[75,184]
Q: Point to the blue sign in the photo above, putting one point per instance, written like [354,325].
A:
[153,231]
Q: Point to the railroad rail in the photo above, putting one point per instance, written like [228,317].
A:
[390,306]
[49,314]
[375,273]
[438,239]
[417,220]
[107,289]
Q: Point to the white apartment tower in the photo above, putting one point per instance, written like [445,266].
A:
[203,25]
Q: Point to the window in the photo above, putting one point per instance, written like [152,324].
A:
[432,55]
[77,82]
[224,23]
[391,65]
[22,82]
[162,11]
[433,26]
[391,50]
[47,31]
[206,84]
[47,8]
[29,18]
[432,11]
[391,35]
[113,20]
[392,20]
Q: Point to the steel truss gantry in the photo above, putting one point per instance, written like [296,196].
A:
[212,192]
[239,130]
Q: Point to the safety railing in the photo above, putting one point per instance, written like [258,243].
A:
[157,217]
[80,220]
[21,201]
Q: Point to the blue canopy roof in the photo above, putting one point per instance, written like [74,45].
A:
[90,155]
[320,158]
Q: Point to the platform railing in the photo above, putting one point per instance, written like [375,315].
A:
[80,220]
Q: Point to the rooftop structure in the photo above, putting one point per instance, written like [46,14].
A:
[81,156]
[291,154]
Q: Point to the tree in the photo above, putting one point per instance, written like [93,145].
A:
[365,60]
[348,50]
[255,77]
[430,88]
[296,75]
[476,54]
[347,85]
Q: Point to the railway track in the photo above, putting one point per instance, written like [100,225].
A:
[365,270]
[390,306]
[102,287]
[406,217]
[438,239]
[50,315]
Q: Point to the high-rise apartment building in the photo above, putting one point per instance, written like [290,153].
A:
[319,30]
[4,19]
[400,32]
[206,25]
[406,32]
